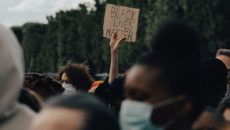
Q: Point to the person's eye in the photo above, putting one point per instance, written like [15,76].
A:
[137,95]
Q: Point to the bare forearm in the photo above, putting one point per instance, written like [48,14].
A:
[114,68]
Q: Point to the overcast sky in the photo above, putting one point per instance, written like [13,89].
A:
[17,12]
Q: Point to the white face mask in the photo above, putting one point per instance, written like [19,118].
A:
[69,89]
[67,86]
[136,116]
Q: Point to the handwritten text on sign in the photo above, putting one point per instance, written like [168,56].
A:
[122,20]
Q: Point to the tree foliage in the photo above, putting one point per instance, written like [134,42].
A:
[76,35]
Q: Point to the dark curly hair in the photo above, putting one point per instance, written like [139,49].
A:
[31,99]
[78,75]
[43,85]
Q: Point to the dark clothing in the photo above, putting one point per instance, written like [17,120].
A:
[112,94]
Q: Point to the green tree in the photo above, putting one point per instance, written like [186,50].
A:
[33,36]
[76,35]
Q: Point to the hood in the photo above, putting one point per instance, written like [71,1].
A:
[11,71]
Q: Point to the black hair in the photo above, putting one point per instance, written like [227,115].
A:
[43,85]
[224,104]
[214,74]
[30,99]
[99,117]
[78,75]
[150,59]
[176,47]
[177,39]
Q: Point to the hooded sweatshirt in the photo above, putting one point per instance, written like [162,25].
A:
[13,116]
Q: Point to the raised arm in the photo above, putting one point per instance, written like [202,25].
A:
[114,68]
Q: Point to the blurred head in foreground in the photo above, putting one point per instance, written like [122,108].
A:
[13,116]
[78,112]
[163,89]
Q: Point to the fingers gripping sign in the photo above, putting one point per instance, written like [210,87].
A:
[115,42]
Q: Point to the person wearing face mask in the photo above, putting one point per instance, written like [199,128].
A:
[150,102]
[163,89]
[69,89]
[75,77]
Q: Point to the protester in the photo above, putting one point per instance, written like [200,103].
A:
[31,99]
[163,90]
[224,108]
[148,96]
[43,85]
[78,112]
[112,90]
[224,56]
[75,77]
[13,115]
[214,75]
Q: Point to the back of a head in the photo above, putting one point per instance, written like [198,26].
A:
[43,85]
[178,45]
[11,74]
[214,75]
[99,117]
[177,39]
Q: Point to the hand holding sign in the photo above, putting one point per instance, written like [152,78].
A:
[115,43]
[122,20]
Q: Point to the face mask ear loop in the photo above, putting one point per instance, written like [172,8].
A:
[168,101]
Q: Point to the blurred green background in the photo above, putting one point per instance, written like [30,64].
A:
[76,35]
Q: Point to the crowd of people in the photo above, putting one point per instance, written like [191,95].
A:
[170,88]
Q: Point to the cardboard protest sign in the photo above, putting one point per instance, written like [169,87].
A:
[120,19]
